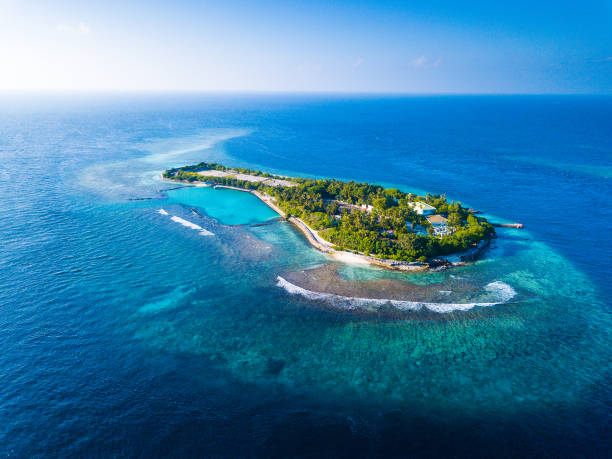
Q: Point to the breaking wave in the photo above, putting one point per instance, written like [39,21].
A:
[187,223]
[191,225]
[503,290]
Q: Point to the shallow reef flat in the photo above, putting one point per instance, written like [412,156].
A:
[393,295]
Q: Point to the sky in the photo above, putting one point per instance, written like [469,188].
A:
[525,47]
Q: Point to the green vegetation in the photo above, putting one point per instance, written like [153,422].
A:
[359,216]
[190,174]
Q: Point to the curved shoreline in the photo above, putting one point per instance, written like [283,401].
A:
[312,236]
[350,257]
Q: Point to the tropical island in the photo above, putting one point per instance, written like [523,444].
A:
[383,226]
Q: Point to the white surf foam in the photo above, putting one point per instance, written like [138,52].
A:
[187,223]
[505,292]
[347,302]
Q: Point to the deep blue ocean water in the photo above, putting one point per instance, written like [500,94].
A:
[125,333]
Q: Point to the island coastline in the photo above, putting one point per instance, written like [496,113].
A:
[316,241]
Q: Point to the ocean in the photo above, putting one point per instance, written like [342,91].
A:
[139,320]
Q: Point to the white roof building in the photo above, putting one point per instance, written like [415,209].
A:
[422,208]
[439,224]
[437,220]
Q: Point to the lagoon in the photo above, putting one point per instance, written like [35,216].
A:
[230,207]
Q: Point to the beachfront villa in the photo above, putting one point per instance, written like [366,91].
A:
[422,208]
[437,220]
[439,223]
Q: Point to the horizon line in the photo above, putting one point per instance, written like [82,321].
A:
[94,91]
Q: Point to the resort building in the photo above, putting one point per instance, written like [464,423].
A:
[348,206]
[437,220]
[439,224]
[422,208]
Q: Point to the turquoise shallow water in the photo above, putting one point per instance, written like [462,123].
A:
[126,332]
[230,207]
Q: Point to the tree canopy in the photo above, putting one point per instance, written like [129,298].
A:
[389,229]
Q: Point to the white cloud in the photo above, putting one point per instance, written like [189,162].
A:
[418,62]
[79,29]
[423,62]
